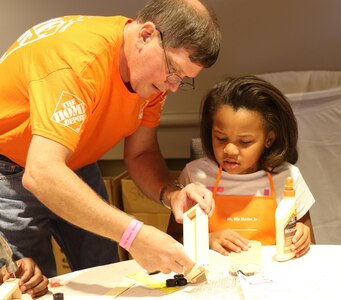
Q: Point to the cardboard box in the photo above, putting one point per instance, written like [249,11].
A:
[158,220]
[114,189]
[136,203]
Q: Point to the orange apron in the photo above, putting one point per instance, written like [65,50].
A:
[251,216]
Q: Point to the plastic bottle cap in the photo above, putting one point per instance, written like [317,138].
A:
[58,296]
[181,282]
[289,188]
[171,282]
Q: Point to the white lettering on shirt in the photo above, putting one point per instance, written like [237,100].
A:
[43,30]
[70,111]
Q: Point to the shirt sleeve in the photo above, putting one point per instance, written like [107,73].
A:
[60,106]
[304,197]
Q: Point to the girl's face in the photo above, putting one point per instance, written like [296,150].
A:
[238,139]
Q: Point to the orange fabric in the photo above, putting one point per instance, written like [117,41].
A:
[61,80]
[251,216]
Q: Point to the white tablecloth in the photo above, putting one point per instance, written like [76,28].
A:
[313,276]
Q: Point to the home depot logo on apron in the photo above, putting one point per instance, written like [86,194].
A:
[251,216]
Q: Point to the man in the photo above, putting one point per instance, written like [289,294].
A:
[71,89]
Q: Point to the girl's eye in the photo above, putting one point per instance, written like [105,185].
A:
[245,142]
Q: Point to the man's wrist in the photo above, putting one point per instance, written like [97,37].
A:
[172,185]
[130,233]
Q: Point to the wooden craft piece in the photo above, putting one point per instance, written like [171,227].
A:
[196,239]
[249,262]
[196,242]
[196,275]
[9,290]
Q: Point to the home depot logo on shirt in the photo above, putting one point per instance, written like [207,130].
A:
[70,111]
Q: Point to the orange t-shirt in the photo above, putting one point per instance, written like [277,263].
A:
[61,80]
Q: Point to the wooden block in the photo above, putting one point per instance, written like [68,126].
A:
[196,239]
[9,290]
[196,275]
[249,262]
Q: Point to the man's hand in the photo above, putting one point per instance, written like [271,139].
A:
[182,200]
[154,250]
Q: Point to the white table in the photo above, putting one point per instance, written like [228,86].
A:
[313,276]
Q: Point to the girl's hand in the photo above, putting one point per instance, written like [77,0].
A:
[301,240]
[226,241]
[32,281]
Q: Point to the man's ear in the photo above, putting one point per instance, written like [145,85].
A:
[271,137]
[147,31]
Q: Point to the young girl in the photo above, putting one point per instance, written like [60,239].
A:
[249,136]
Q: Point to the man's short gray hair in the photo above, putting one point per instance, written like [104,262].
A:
[185,25]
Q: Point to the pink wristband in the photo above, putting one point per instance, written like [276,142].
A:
[130,233]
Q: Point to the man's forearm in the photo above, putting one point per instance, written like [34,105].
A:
[63,192]
[150,173]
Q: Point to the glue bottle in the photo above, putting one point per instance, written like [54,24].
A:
[285,216]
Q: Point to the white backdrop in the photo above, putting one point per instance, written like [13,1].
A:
[316,100]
